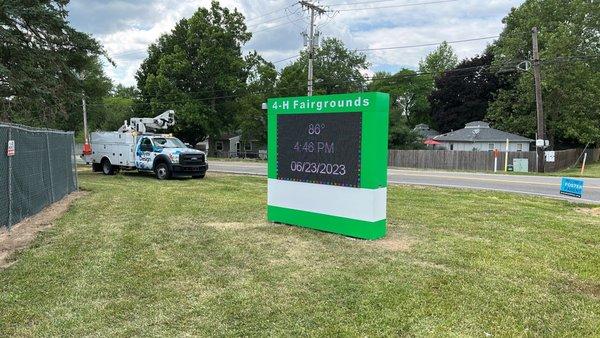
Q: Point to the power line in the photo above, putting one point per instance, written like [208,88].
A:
[428,44]
[272,12]
[356,3]
[139,51]
[395,77]
[460,72]
[277,26]
[288,58]
[393,6]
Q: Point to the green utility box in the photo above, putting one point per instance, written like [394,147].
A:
[328,163]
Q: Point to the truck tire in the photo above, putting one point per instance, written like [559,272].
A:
[199,175]
[96,167]
[162,171]
[107,168]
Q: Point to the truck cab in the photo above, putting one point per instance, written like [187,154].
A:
[167,156]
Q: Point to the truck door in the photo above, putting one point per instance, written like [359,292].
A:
[144,154]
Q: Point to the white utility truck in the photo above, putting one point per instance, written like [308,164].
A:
[135,147]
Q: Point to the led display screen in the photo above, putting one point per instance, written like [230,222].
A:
[321,148]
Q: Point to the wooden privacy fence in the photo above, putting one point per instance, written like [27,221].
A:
[483,160]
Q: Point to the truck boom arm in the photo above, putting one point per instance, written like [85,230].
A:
[149,124]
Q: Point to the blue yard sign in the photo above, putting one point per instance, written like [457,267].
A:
[571,187]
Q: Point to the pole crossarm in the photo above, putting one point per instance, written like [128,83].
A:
[314,10]
[312,6]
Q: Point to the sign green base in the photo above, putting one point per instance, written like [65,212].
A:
[340,225]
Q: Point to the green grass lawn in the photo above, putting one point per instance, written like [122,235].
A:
[138,256]
[591,170]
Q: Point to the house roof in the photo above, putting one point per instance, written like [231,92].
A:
[425,131]
[479,131]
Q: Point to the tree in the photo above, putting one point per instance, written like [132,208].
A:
[118,107]
[408,105]
[336,70]
[438,61]
[46,65]
[197,70]
[569,43]
[463,94]
[408,94]
[402,137]
[262,78]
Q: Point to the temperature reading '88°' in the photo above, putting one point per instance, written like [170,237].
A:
[315,129]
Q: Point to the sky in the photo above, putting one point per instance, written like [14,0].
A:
[127,27]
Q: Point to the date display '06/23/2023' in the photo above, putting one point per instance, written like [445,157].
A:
[328,163]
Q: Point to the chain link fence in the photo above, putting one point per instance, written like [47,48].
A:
[41,171]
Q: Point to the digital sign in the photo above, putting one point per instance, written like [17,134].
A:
[319,148]
[327,163]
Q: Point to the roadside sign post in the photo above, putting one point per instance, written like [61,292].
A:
[327,163]
[506,156]
[571,187]
[496,153]
[583,164]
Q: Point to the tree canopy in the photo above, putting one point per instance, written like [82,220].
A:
[336,70]
[438,61]
[262,78]
[408,105]
[569,42]
[46,65]
[462,94]
[197,69]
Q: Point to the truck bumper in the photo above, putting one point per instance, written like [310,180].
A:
[189,170]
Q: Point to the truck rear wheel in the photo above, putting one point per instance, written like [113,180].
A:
[162,171]
[107,168]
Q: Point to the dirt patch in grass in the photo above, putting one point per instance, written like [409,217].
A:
[234,225]
[589,211]
[395,242]
[23,233]
[587,288]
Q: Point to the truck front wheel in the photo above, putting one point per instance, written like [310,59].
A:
[107,168]
[162,171]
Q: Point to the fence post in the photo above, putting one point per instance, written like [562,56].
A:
[75,178]
[9,182]
[50,167]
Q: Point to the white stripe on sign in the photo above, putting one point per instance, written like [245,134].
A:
[356,203]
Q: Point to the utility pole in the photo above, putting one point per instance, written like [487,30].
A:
[314,9]
[85,126]
[541,134]
[87,149]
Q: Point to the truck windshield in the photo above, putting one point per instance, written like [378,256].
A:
[169,142]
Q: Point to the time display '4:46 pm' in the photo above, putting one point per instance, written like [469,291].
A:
[315,147]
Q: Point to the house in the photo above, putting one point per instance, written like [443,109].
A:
[478,136]
[235,145]
[425,132]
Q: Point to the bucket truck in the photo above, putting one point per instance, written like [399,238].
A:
[136,146]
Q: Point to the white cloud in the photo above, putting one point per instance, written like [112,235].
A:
[126,28]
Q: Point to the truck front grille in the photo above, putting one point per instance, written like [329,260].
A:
[192,159]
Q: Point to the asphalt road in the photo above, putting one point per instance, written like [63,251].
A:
[532,185]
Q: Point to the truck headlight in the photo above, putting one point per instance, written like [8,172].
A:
[174,158]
